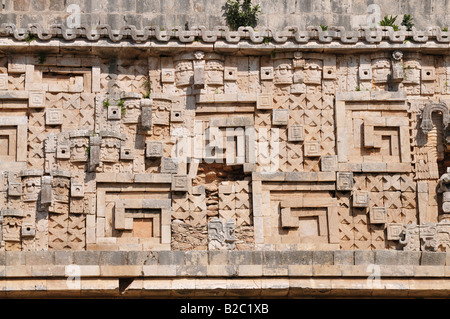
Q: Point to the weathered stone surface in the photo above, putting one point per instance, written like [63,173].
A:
[323,257]
[295,152]
[86,258]
[344,258]
[432,258]
[297,257]
[113,258]
[142,258]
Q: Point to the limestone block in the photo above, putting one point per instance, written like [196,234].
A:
[266,73]
[114,112]
[298,88]
[428,74]
[94,152]
[287,220]
[446,197]
[394,231]
[361,198]
[280,117]
[63,151]
[36,99]
[446,207]
[283,71]
[397,72]
[167,75]
[221,235]
[329,163]
[167,70]
[154,149]
[119,220]
[126,153]
[329,67]
[146,114]
[4,82]
[213,71]
[230,73]
[378,215]
[199,76]
[169,165]
[176,116]
[31,188]
[381,69]
[28,230]
[76,189]
[46,192]
[17,64]
[264,102]
[11,228]
[296,133]
[344,181]
[312,149]
[15,189]
[313,71]
[249,167]
[226,189]
[180,183]
[53,117]
[365,73]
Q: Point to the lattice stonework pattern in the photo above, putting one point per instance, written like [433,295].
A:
[272,148]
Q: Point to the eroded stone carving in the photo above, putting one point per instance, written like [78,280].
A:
[425,237]
[221,234]
[318,144]
[427,124]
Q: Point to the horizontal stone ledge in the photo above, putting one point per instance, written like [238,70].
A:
[220,46]
[315,34]
[294,176]
[225,287]
[226,98]
[133,178]
[371,96]
[203,258]
[225,271]
[14,95]
[229,287]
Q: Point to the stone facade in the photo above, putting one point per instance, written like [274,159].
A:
[169,13]
[149,140]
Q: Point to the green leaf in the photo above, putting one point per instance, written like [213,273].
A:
[241,14]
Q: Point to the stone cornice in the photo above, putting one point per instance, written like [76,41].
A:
[264,36]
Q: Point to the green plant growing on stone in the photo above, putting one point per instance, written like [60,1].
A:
[88,150]
[106,103]
[407,22]
[30,37]
[147,85]
[324,27]
[389,22]
[358,88]
[444,29]
[42,58]
[241,14]
[123,109]
[267,40]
